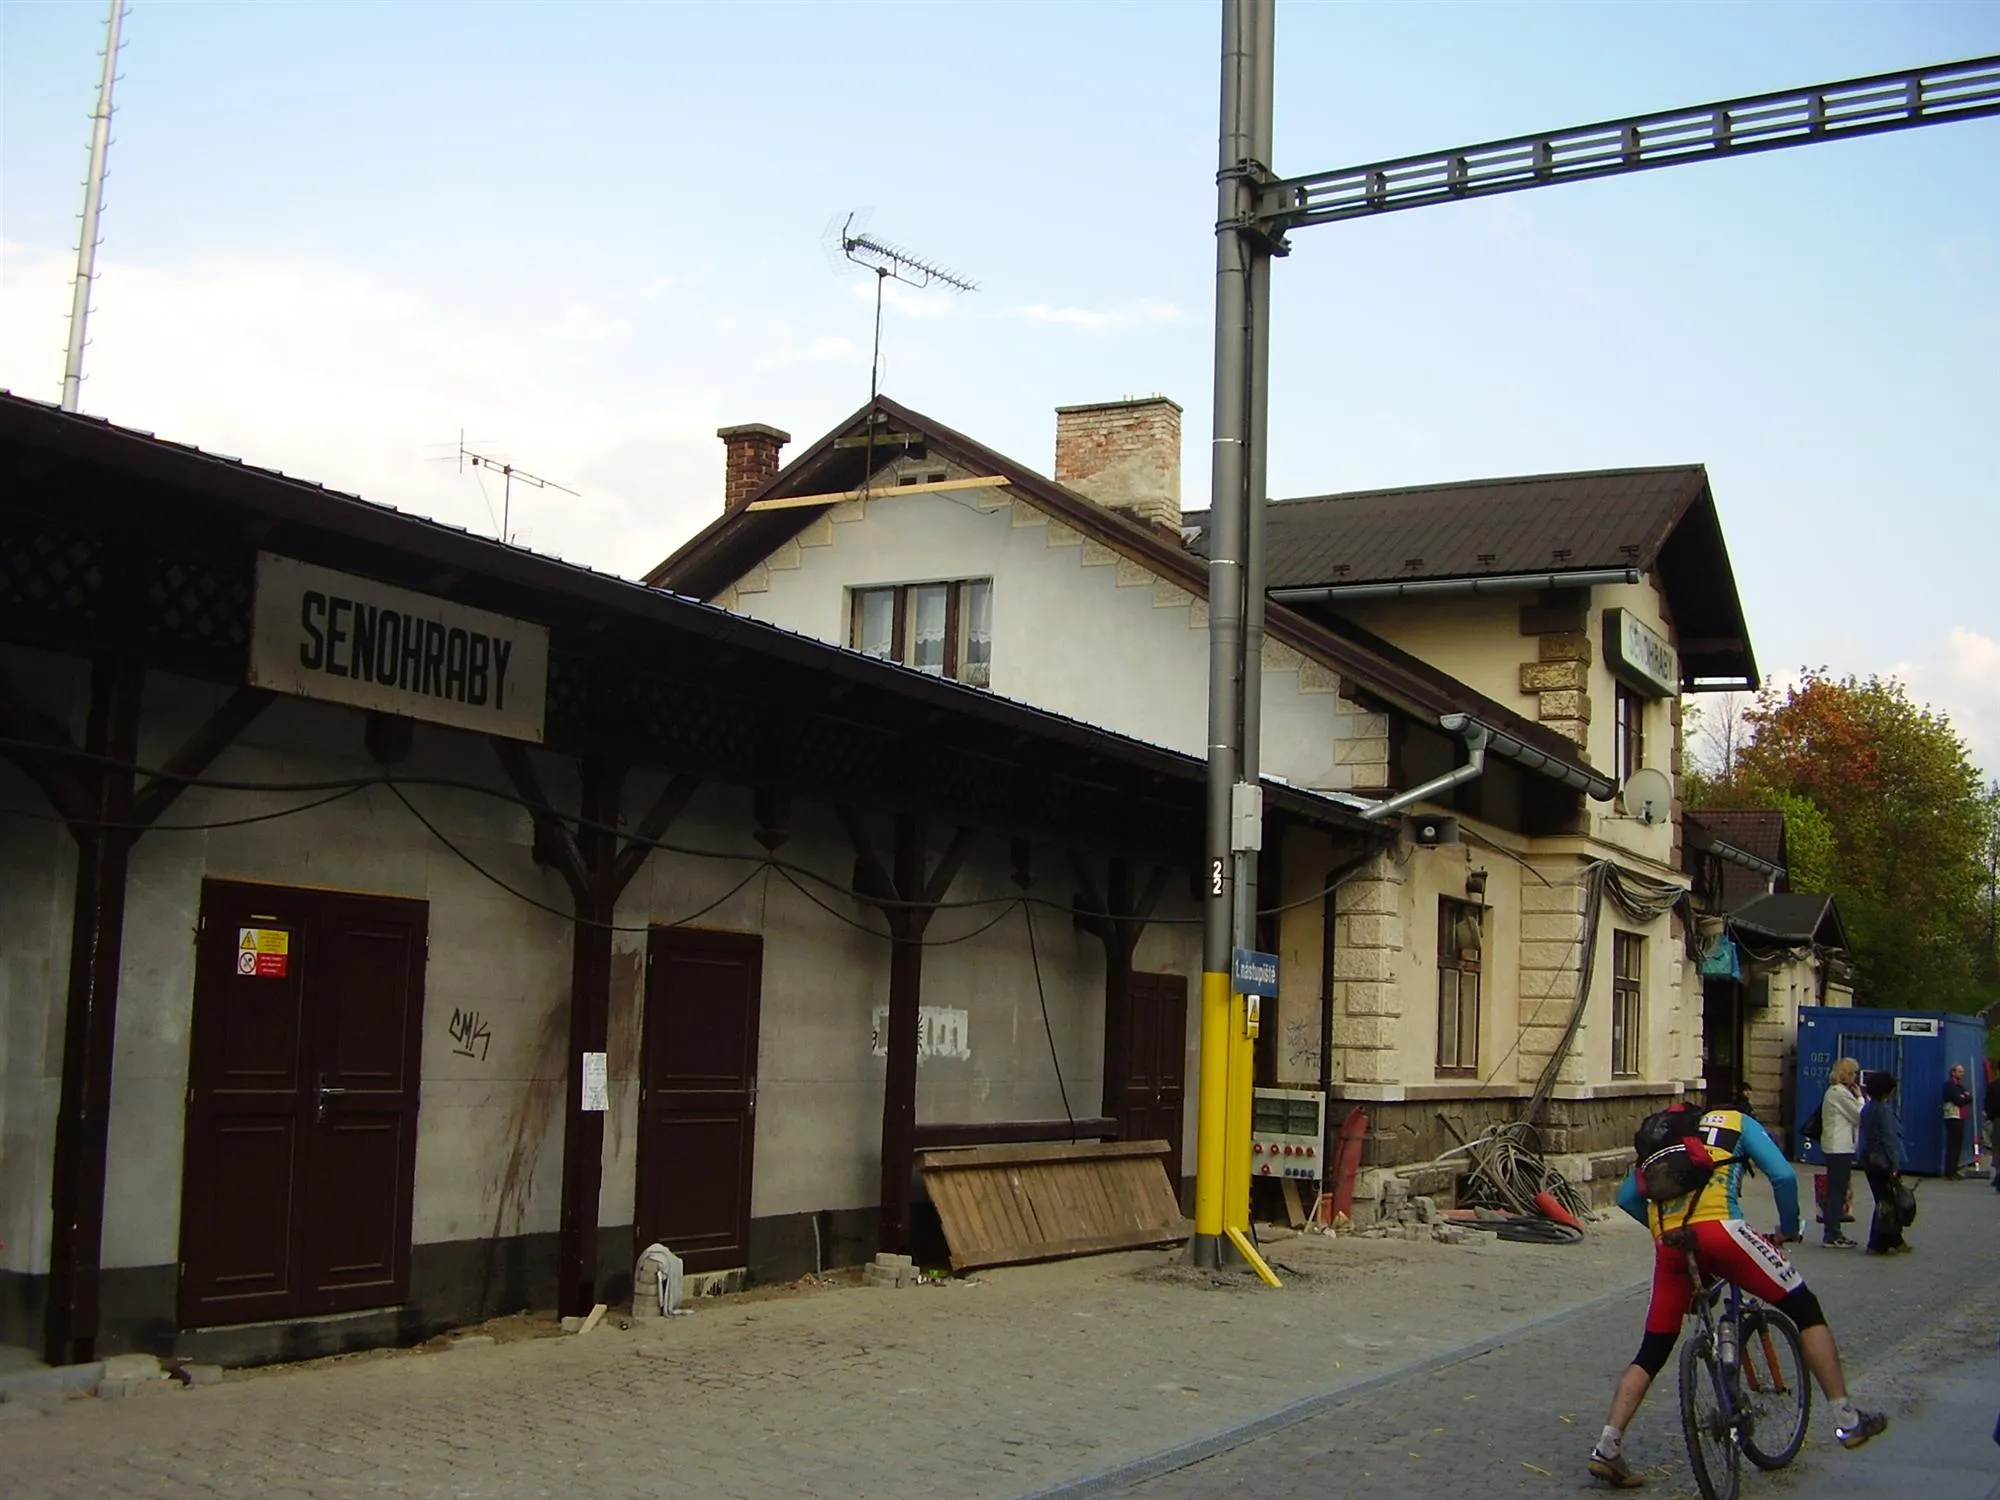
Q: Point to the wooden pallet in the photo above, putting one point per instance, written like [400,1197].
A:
[1003,1205]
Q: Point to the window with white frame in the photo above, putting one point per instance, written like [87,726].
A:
[1459,943]
[945,629]
[1628,1002]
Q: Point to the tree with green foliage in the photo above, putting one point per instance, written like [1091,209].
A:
[1885,810]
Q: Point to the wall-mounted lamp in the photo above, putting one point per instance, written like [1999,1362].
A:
[1475,884]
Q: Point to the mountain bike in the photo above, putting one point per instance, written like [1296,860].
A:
[1745,1390]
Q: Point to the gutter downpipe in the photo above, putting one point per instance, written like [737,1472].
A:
[1476,736]
[1499,583]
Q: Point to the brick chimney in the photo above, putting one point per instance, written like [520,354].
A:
[752,458]
[1125,455]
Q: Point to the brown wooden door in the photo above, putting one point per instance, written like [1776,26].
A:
[1156,1079]
[698,1094]
[302,1104]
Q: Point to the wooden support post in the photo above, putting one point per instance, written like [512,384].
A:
[97,928]
[597,870]
[107,812]
[907,895]
[1117,917]
[589,1031]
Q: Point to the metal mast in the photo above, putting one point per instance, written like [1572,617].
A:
[1254,211]
[93,203]
[1235,623]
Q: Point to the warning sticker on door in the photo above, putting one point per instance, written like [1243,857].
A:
[263,952]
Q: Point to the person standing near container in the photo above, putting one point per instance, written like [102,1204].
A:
[1882,1160]
[1957,1110]
[1990,1107]
[1840,1133]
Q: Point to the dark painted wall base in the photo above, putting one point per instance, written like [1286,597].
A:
[451,1284]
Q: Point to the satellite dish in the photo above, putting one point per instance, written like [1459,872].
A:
[1647,795]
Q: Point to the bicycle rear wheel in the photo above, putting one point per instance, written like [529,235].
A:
[1705,1422]
[1774,1389]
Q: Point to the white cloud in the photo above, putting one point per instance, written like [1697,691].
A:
[325,373]
[1963,681]
[1122,318]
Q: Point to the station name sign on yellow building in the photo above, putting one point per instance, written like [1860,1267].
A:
[330,635]
[1640,654]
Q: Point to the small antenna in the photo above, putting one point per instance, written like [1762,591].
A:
[886,261]
[508,475]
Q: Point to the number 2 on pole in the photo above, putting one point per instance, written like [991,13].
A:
[1215,877]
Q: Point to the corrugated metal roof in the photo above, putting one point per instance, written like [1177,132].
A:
[1612,518]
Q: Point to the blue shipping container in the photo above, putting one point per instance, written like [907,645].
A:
[1918,1046]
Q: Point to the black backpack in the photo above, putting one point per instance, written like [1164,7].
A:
[1673,1161]
[1813,1128]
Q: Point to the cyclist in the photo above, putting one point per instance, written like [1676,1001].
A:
[1686,1188]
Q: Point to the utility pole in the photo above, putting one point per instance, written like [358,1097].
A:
[93,203]
[1235,623]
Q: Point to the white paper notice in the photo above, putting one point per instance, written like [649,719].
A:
[596,1083]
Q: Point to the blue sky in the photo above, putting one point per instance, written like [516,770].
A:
[588,235]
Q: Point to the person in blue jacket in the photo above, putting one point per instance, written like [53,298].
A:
[1881,1157]
[1687,1188]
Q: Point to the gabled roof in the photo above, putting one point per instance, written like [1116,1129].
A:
[1795,918]
[1639,520]
[736,541]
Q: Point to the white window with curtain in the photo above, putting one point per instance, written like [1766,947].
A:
[945,628]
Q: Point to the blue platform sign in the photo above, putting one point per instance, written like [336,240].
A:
[1253,973]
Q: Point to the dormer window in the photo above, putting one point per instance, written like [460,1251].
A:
[945,629]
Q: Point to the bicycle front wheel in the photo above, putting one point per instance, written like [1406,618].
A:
[1706,1422]
[1774,1389]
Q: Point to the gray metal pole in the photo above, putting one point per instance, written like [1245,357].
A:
[1257,390]
[93,201]
[1225,611]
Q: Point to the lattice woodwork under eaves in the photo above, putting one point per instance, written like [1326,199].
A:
[50,586]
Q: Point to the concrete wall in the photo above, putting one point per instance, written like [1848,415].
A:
[490,1126]
[1077,628]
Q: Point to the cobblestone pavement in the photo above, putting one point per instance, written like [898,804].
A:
[1917,1335]
[1032,1376]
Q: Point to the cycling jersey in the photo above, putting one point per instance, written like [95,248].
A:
[1728,1133]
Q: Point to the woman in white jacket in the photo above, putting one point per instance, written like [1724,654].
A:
[1840,1130]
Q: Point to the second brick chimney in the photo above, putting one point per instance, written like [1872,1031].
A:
[1125,455]
[751,459]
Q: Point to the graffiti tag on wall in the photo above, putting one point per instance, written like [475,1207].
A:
[942,1031]
[469,1031]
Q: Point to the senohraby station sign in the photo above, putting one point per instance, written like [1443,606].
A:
[1640,654]
[333,636]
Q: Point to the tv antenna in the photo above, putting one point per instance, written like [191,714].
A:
[887,261]
[509,475]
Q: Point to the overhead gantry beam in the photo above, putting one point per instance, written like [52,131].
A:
[1703,132]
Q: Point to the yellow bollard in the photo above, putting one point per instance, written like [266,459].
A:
[1242,1080]
[1212,1105]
